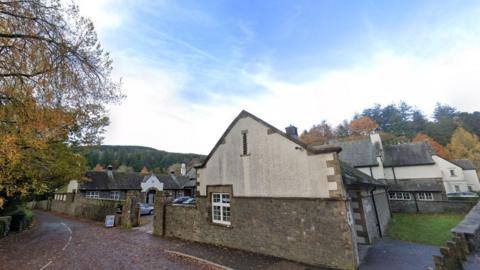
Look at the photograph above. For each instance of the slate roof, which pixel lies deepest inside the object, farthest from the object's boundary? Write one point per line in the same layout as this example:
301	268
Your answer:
119	181
425	185
464	164
407	154
176	182
354	177
361	153
131	181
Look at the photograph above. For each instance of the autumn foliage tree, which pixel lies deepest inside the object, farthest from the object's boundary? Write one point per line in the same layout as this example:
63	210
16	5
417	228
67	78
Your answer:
55	81
362	126
318	134
438	148
464	145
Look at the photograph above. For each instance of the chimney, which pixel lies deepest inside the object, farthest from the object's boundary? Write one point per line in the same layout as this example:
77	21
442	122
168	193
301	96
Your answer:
377	142
292	131
183	170
172	174
110	171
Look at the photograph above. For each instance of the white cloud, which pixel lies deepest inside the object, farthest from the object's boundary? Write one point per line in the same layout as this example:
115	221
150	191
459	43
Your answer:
154	113
105	14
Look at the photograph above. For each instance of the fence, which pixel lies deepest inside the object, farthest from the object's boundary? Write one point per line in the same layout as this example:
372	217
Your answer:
466	239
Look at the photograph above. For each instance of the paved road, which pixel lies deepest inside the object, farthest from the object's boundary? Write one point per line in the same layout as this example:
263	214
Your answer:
399	255
58	242
62	242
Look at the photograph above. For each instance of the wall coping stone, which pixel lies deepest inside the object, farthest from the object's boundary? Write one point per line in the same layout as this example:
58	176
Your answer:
471	223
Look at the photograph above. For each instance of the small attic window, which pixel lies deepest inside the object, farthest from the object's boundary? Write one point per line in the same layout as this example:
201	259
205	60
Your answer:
452	172
244	142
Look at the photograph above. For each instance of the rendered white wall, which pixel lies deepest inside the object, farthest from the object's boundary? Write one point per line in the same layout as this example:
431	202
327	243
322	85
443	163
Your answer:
273	168
472	179
412	172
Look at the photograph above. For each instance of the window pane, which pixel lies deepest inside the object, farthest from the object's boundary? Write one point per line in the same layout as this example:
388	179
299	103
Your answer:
226	213
216	197
216	213
225	198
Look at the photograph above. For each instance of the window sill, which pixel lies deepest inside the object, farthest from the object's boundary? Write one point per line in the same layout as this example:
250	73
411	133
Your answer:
247	155
229	226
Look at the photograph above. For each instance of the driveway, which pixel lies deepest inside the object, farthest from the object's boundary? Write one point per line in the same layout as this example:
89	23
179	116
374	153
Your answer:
62	242
399	255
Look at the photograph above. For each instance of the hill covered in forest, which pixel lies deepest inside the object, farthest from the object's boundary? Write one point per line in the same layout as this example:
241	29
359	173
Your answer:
133	158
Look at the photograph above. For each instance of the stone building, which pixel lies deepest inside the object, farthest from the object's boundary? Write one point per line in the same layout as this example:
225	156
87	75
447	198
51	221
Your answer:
264	191
113	185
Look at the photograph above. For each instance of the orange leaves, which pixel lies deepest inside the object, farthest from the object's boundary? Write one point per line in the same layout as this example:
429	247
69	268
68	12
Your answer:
438	148
362	126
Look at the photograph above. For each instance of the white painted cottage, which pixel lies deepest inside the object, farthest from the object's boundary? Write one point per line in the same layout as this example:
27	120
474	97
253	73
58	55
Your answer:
410	169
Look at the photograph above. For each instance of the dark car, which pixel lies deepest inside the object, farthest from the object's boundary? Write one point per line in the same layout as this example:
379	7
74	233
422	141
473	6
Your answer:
180	200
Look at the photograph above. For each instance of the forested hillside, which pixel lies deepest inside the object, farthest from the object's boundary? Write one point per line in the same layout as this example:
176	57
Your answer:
133	158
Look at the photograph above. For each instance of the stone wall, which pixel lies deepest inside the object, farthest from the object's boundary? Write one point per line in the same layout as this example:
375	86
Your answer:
410	206
79	206
312	231
465	240
43	205
470	227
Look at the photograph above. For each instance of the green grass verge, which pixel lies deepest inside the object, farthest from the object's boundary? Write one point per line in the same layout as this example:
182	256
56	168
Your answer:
430	229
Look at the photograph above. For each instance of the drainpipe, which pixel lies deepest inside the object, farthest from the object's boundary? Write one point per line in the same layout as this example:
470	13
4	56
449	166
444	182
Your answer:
376	211
415	200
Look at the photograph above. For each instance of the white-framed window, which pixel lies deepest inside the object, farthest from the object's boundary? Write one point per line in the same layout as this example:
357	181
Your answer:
457	188
221	208
452	172
425	196
404	196
115	195
92	194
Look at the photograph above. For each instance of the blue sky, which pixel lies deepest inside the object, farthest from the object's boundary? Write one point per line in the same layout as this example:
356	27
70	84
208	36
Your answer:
189	67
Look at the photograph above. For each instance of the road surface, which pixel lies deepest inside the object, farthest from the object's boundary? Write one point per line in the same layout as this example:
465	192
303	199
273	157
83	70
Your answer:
59	242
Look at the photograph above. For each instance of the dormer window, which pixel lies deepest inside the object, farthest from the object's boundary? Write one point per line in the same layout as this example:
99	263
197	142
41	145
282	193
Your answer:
244	142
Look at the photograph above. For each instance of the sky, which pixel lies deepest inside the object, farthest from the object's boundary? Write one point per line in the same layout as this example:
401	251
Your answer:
189	67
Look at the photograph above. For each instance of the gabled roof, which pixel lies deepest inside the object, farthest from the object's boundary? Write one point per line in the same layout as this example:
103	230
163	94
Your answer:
408	154
361	153
354	177
272	129
464	164
118	181
173	182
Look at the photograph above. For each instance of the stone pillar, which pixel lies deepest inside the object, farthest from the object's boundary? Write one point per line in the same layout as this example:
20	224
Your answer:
130	211
159	214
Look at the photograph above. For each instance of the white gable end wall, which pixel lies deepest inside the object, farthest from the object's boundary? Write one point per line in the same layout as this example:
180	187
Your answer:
472	179
274	166
413	172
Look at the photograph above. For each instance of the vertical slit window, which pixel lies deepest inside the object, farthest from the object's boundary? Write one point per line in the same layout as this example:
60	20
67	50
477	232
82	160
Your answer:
244	143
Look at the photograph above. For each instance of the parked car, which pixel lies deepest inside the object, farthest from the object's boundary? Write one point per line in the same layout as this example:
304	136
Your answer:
180	200
146	209
189	201
463	194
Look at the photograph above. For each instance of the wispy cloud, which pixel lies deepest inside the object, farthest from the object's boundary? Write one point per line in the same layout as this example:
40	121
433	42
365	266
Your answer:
188	70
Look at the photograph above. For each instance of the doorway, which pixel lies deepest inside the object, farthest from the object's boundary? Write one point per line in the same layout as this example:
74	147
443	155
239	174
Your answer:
150	197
